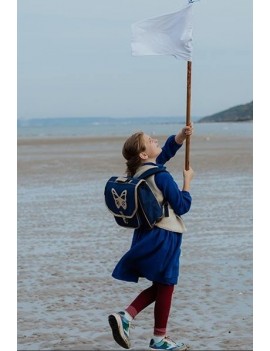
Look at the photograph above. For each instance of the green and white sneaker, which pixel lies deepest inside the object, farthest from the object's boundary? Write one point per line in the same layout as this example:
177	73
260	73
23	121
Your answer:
167	344
120	329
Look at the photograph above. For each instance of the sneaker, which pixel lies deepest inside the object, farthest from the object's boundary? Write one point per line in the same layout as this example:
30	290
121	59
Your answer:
120	329
167	344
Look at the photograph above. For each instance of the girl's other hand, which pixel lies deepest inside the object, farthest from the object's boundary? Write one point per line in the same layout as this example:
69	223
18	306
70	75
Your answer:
188	174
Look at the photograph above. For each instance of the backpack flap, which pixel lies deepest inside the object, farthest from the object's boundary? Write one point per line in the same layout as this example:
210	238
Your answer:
121	200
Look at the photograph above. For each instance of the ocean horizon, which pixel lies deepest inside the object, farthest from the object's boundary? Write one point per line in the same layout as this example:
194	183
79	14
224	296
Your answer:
120	126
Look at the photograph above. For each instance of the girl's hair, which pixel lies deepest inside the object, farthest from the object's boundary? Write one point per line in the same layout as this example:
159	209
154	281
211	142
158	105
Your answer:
132	148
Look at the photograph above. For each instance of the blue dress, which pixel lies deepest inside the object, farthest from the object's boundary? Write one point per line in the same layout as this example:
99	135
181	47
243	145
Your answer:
154	254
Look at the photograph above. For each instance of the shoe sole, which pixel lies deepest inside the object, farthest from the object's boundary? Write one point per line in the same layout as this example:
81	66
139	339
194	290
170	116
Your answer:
116	326
184	348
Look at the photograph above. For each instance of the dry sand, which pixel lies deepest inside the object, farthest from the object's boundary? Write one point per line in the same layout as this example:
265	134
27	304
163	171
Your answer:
68	245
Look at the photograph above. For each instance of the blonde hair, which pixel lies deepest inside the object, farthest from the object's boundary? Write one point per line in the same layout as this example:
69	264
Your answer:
132	148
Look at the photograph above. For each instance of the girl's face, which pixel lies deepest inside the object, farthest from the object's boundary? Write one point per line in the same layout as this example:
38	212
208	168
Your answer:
152	149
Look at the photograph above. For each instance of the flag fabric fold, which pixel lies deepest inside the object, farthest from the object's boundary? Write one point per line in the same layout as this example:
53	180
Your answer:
164	35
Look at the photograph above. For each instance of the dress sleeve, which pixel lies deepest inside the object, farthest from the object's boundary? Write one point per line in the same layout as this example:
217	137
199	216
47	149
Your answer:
180	201
168	150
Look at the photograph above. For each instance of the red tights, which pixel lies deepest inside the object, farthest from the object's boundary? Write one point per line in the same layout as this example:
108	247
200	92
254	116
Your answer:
162	295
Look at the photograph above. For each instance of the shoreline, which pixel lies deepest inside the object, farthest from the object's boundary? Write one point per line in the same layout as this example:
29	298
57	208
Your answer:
207	154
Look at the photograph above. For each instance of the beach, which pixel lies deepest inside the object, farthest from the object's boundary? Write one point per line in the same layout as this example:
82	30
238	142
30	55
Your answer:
68	245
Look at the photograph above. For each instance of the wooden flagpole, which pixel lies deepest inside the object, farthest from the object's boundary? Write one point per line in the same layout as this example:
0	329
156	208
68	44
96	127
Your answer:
188	119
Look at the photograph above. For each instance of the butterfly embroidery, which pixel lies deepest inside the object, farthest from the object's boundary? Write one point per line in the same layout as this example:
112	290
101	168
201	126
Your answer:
120	201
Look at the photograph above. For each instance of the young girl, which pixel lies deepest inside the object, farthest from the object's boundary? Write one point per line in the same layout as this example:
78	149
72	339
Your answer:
155	253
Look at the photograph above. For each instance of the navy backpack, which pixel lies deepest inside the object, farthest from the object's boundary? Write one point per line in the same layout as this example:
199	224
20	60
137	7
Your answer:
132	202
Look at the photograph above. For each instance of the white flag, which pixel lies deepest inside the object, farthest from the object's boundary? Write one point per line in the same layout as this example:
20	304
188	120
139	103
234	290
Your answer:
165	35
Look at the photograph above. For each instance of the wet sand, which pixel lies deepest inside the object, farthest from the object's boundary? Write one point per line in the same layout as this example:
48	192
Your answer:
68	245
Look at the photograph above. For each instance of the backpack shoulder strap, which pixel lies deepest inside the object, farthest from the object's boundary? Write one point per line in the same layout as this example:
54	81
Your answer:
152	171
148	173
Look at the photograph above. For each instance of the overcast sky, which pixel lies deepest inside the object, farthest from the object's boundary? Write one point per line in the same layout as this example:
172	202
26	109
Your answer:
74	59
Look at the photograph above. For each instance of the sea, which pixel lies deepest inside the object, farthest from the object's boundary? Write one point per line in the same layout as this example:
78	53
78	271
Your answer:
113	126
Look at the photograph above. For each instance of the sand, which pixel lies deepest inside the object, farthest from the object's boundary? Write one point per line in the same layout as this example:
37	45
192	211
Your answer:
68	245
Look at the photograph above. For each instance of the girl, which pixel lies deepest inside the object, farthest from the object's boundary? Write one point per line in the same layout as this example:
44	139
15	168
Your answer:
155	253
